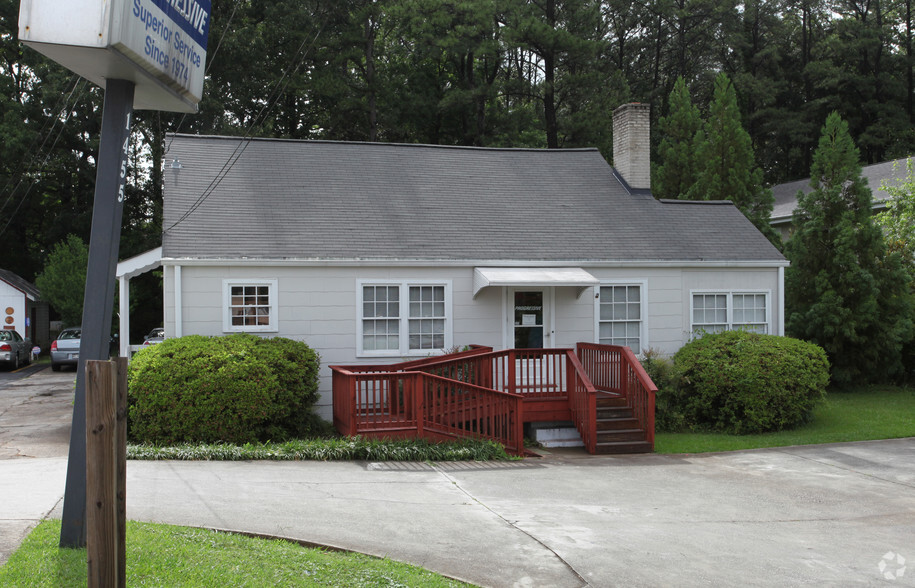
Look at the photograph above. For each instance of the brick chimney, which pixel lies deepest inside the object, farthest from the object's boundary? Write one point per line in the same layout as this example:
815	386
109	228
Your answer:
632	144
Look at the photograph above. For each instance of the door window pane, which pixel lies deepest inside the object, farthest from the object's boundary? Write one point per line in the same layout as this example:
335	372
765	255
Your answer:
528	320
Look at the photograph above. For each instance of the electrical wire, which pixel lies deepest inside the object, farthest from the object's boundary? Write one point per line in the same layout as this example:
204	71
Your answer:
210	61
44	162
258	120
45	133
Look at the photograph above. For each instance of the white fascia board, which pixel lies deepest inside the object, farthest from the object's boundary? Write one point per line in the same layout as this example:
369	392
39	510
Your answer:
315	262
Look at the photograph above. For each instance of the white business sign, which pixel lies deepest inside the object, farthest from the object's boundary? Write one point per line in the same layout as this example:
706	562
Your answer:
167	37
160	45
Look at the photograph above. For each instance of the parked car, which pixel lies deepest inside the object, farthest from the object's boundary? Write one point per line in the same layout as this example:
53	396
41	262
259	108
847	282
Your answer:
14	350
157	335
65	349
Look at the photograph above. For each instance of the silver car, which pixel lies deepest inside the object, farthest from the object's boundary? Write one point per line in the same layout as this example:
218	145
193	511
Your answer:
14	350
65	349
157	335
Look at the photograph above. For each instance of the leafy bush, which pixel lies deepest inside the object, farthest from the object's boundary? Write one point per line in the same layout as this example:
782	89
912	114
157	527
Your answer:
236	389
739	382
668	401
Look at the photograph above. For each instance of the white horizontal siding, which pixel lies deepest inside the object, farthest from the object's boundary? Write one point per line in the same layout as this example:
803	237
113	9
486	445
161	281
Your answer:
317	305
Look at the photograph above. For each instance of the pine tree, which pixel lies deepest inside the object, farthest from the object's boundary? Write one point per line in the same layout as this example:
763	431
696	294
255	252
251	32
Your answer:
681	135
844	291
728	167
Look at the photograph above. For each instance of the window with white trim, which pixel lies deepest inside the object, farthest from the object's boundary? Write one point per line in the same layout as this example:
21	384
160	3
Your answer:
402	318
249	305
620	316
713	312
381	318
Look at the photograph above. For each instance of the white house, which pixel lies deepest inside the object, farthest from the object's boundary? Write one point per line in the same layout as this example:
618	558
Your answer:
21	309
373	253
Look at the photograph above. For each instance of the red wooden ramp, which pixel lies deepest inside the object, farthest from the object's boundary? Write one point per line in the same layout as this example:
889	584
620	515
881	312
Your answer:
491	394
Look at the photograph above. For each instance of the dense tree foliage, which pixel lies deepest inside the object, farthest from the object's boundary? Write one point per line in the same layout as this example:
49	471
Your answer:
520	73
726	165
63	280
678	151
898	220
845	292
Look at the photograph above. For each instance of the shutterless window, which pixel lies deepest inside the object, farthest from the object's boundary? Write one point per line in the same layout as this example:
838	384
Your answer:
427	317
710	312
750	312
716	312
380	318
249	306
621	316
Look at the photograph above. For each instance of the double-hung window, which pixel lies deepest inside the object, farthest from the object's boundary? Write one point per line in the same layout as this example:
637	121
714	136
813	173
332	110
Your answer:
713	312
403	318
620	311
249	305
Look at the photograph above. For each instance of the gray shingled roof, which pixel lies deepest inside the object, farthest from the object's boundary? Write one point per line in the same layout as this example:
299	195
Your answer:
20	284
786	194
280	199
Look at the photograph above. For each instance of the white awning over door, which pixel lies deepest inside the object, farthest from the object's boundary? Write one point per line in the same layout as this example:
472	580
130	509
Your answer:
483	277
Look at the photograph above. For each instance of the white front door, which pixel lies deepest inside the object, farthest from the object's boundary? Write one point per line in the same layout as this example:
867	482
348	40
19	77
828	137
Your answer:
529	317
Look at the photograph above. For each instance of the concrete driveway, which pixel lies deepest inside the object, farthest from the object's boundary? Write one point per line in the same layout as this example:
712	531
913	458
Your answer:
841	514
824	515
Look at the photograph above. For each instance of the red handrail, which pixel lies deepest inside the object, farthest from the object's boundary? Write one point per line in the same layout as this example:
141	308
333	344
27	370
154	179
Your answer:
417	403
615	369
582	402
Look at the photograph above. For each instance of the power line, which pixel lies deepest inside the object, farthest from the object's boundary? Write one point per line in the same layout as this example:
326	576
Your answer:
45	133
43	163
210	61
258	120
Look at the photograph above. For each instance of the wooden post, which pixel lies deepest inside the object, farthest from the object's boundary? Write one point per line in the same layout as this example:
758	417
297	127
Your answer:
417	386
102	473
121	449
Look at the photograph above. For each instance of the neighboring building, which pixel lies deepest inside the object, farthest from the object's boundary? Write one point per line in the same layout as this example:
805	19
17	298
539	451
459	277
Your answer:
22	309
876	175
372	252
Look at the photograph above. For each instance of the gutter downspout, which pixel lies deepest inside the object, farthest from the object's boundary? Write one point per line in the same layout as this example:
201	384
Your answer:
124	316
781	301
179	311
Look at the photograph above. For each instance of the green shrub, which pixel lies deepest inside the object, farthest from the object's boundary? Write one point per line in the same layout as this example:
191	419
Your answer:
739	382
236	389
668	401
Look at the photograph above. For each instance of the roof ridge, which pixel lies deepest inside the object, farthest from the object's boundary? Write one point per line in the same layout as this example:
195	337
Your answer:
382	144
679	201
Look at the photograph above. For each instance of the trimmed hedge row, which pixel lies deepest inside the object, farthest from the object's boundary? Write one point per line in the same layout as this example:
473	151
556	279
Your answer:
236	389
739	382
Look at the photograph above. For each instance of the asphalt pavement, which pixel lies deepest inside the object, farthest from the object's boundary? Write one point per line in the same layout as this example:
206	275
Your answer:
839	514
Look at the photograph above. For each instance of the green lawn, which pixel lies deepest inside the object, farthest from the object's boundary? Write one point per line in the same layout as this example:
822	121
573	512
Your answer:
164	555
877	412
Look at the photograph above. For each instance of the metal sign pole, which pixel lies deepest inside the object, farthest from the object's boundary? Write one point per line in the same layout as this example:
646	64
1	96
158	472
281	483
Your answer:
100	284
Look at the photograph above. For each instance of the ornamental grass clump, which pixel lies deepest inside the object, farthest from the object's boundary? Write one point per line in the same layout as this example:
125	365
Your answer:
739	382
234	389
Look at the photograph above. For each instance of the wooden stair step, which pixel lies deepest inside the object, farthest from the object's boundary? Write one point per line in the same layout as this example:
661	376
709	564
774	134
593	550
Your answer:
611	401
620	435
614	413
619	447
614	423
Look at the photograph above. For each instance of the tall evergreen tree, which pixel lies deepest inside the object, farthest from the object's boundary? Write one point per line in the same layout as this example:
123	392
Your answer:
728	167
844	292
681	135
